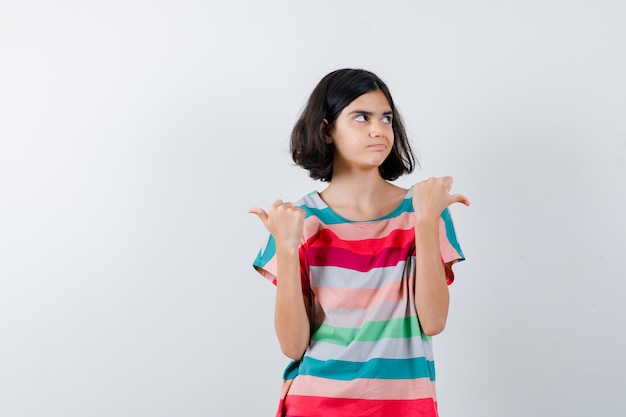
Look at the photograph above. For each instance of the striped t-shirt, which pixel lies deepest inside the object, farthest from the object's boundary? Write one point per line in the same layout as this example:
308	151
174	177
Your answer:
367	355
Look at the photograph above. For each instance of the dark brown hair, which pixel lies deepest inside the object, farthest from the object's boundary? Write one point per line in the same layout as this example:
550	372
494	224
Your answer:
332	94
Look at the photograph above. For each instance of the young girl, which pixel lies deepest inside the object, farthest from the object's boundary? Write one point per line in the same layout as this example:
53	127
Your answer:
362	268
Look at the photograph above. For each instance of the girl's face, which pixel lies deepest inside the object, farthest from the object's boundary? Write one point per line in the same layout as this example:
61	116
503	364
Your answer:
362	134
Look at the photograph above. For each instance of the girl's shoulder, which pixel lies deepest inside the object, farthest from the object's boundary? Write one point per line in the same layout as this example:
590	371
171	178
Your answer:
311	201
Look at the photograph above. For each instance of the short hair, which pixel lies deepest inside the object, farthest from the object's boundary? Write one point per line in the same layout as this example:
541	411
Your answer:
332	94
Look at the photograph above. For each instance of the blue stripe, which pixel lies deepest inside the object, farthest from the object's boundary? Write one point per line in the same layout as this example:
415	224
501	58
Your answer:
380	368
328	216
263	257
447	219
291	371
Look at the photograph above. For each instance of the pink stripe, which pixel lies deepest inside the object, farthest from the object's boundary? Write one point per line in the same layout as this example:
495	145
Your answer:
448	253
269	270
362	297
398	311
370	389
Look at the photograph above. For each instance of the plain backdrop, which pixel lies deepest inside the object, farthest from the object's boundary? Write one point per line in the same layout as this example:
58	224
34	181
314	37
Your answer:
135	135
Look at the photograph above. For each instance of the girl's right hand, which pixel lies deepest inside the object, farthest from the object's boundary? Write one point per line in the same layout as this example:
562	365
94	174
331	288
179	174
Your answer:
284	221
432	196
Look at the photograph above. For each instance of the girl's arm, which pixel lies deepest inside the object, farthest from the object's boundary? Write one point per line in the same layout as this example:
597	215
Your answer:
291	312
432	299
431	289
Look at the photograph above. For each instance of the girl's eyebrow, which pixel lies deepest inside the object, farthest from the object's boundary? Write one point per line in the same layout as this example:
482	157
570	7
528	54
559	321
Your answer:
369	113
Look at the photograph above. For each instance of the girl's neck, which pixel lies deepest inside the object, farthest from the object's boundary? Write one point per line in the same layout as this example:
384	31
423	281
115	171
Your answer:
357	187
362	198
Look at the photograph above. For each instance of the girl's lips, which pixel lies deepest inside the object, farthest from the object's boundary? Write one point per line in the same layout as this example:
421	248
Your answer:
378	146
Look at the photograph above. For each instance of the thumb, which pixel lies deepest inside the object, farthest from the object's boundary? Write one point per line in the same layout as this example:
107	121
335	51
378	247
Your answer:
460	198
259	212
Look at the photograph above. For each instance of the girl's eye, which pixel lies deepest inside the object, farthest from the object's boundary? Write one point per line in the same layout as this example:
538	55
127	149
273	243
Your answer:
387	119
361	118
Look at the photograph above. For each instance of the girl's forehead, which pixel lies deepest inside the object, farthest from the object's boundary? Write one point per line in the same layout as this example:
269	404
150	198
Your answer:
371	101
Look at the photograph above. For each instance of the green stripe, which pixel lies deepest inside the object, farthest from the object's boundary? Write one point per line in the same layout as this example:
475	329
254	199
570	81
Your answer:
371	331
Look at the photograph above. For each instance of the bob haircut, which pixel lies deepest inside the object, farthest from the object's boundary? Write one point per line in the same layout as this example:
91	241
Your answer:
332	94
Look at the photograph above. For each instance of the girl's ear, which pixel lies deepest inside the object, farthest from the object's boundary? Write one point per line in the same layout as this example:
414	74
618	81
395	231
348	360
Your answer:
324	131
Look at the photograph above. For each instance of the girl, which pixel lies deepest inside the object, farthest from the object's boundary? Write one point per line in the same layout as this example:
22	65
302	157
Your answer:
362	268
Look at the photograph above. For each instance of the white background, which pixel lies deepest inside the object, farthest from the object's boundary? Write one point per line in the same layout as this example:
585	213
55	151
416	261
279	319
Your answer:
134	136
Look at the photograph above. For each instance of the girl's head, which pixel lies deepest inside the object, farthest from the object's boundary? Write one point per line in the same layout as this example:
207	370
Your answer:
309	147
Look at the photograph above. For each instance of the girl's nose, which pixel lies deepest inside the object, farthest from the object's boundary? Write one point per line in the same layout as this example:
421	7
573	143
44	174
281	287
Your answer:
377	129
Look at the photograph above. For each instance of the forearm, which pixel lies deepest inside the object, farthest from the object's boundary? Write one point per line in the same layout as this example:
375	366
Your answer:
291	315
431	289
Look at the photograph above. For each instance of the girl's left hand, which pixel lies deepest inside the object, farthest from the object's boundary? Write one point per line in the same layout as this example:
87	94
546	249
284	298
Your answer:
432	196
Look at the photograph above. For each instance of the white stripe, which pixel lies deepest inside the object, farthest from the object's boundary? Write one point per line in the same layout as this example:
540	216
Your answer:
389	348
334	276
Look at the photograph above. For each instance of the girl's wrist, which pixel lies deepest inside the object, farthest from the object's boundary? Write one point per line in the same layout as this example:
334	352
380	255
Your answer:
287	249
425	221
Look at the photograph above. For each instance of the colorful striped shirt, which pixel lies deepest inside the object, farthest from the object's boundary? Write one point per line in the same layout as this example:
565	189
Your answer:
367	355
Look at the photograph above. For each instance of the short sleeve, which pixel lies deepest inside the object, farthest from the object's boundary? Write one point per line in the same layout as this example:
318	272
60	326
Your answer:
265	261
449	245
265	264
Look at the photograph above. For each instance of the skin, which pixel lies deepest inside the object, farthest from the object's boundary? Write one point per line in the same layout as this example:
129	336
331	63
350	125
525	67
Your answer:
363	137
